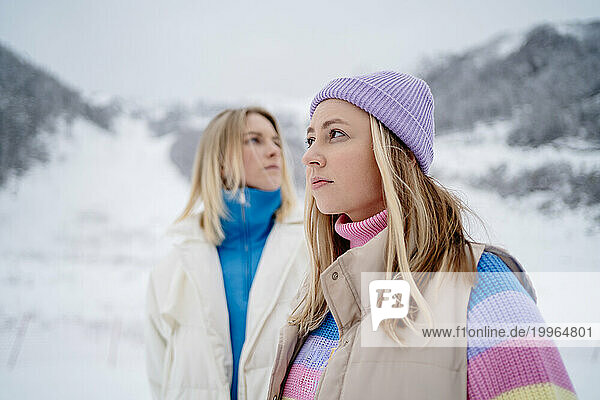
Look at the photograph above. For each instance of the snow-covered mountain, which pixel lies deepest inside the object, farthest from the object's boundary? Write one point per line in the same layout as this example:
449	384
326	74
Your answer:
31	102
543	88
80	230
547	77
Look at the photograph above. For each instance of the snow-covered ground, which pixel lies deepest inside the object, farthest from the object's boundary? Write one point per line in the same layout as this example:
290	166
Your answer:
561	241
77	238
79	235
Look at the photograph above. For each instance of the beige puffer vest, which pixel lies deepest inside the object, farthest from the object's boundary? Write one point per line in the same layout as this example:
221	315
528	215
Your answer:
358	372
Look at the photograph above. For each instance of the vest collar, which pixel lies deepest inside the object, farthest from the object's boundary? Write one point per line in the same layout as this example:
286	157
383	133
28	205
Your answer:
342	284
341	281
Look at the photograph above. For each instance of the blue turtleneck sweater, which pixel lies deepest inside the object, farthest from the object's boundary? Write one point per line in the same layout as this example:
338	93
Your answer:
245	235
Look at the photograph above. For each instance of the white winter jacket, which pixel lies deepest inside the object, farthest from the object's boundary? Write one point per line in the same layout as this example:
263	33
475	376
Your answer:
188	349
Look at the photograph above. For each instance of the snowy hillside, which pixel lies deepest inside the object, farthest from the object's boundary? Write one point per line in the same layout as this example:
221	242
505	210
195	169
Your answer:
78	237
542	87
32	101
481	159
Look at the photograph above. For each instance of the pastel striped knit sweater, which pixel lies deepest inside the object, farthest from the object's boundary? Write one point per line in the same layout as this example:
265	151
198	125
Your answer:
500	373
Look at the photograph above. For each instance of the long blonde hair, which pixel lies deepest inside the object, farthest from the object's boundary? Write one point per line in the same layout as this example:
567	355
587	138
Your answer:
425	231
219	165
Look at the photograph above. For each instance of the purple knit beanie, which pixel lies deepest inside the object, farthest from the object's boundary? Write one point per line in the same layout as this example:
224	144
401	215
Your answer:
403	103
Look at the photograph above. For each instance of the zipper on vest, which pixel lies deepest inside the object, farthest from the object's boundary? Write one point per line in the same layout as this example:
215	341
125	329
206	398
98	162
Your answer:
342	342
322	377
297	348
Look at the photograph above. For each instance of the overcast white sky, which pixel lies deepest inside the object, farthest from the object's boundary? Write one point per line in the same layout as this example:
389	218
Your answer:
157	51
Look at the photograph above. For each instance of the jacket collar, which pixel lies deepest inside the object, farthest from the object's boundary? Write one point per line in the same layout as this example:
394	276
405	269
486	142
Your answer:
341	281
189	228
250	213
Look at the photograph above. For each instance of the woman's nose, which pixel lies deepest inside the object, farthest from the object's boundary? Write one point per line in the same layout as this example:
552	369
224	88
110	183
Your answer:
313	157
273	150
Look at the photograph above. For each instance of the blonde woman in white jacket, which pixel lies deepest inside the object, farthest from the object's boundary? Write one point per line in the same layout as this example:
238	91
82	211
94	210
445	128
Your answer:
216	302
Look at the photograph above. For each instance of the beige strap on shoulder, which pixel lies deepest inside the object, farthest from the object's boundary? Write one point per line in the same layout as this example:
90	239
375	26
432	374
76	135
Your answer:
515	267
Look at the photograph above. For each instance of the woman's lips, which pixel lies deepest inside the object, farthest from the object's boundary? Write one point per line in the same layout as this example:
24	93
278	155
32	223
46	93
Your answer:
319	182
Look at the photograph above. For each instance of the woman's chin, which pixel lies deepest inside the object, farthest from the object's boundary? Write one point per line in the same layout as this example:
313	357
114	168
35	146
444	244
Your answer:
328	208
265	186
269	188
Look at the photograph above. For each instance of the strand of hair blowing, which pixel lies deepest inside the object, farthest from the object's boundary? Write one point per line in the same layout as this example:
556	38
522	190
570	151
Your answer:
426	232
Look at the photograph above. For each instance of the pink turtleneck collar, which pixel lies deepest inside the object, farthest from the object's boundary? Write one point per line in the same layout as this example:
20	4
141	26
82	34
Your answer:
359	233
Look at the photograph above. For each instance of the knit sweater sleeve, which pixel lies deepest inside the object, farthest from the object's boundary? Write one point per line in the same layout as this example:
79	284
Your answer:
500	371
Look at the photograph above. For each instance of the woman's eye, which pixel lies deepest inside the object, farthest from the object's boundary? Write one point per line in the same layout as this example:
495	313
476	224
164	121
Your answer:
253	140
309	142
333	133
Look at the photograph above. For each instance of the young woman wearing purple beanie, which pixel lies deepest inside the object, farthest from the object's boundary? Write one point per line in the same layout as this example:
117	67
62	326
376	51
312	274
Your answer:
372	207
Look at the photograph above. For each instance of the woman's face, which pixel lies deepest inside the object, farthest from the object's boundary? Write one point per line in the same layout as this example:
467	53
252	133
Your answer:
261	153
341	171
